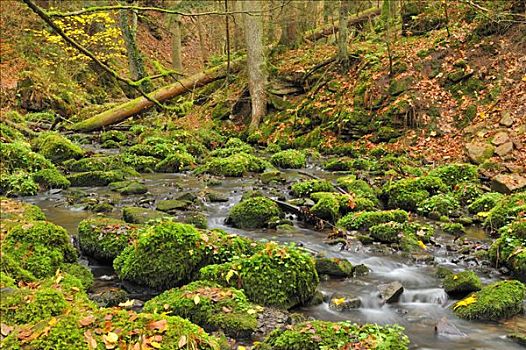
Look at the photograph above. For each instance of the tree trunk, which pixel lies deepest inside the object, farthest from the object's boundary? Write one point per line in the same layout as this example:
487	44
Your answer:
343	55
128	24
257	75
238	25
288	23
127	109
175	24
201	35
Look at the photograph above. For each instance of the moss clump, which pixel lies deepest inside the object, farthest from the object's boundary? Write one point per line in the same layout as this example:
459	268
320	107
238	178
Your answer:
467	192
327	207
289	159
113	135
95	178
235	165
455	229
505	211
462	283
443	204
93	164
485	202
51	178
278	276
509	249
319	335
367	219
389	232
454	174
81	272
497	301
128	187
39	247
359	188
56	148
210	306
231	147
18	156
104	238
253	212
139	215
334	267
143	164
175	162
409	193
305	188
19	183
16	210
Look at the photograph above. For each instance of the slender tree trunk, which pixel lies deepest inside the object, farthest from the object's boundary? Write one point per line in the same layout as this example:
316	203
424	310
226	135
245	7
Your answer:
175	25
238	27
128	24
201	35
288	23
343	55
257	75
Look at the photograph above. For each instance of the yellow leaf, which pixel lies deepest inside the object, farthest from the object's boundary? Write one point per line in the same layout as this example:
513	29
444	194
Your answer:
229	275
455	277
241	347
155	344
422	245
197	299
110	340
251	311
338	301
524	77
127	303
465	302
52	322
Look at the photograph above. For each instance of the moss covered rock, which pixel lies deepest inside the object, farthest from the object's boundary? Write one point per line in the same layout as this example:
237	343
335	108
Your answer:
139	215
211	306
276	276
176	162
56	147
462	283
485	202
235	165
19	183
95	178
510	248
505	211
454	174
305	188
94	163
104	238
409	193
128	187
367	219
334	267
497	301
51	178
319	335
253	212
439	205
289	159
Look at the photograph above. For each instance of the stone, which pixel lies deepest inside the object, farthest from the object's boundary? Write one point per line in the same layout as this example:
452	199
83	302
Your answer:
138	215
216	196
128	187
272	176
390	292
479	152
360	270
171	205
445	328
504	149
344	302
506	120
508	183
334	267
500	138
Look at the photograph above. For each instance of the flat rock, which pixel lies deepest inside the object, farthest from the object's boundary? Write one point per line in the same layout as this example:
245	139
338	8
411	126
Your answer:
171	205
445	328
479	152
344	302
508	183
504	149
138	215
506	120
500	138
390	292
216	196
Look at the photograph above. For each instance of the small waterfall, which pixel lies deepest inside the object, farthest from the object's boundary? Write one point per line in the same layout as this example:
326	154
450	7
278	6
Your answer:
424	296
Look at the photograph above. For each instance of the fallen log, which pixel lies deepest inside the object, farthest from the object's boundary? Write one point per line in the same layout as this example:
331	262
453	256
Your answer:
357	20
130	108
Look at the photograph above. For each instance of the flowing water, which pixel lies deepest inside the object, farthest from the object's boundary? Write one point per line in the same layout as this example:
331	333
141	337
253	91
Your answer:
422	304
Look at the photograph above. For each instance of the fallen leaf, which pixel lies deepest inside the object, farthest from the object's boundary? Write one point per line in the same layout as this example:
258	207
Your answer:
127	303
155	344
197	299
182	341
86	321
110	340
160	325
92	343
226	310
5	329
465	302
338	301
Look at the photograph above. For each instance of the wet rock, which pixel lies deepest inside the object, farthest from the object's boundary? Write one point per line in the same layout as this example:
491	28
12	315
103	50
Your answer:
128	187
448	329
171	205
344	302
270	319
390	292
334	267
273	176
317	299
506	120
500	138
360	270
109	296
462	283
138	215
508	183
504	149
216	196
479	152
519	338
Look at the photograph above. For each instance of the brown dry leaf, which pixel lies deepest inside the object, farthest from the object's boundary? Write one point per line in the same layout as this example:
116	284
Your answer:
160	325
86	321
92	343
182	341
226	310
5	329
25	333
110	340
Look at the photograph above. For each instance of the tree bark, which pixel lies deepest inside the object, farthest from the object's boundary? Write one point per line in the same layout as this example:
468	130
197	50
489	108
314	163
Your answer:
201	35
175	24
289	25
257	73
128	24
343	55
127	109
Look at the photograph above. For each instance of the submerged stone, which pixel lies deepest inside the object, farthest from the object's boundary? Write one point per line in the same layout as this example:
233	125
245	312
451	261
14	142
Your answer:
390	292
344	302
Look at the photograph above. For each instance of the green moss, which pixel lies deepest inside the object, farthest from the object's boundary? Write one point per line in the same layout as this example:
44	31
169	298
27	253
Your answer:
359	188
9	134
276	276
253	212
443	204
389	232
18	183
454	174
51	178
235	165
105	163
104	238
467	192
16	210
334	267
176	162
40	247
497	301
210	306
397	86
96	178
320	335
409	193
232	146
455	229
113	135
327	207
462	283
6	281
56	148
11	267
485	202
139	215
18	156
45	302
367	219
81	272
509	249
141	164
305	188
128	187
289	159
505	211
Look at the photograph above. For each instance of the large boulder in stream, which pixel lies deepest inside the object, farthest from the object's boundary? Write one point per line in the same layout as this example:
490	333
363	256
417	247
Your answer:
56	147
462	283
255	212
390	292
139	215
497	301
344	302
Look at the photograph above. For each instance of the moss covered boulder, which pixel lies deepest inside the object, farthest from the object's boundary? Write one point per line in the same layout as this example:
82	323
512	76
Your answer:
51	178
139	215
462	283
485	202
455	174
211	306
439	205
497	301
366	219
510	248
278	276
305	188
409	193
128	187
94	163
253	212
14	212
235	165
96	178
505	211
176	162
334	267
289	159
319	335
105	238
56	147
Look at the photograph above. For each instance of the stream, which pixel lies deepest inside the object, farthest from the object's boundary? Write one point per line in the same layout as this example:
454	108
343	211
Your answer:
422	304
